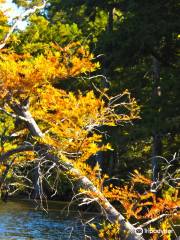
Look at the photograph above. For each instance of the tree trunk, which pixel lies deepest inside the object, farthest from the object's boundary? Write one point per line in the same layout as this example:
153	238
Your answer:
127	231
110	18
157	141
35	131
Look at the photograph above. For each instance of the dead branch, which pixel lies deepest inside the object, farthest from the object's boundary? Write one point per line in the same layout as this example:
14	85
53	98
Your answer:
154	220
82	181
23	148
13	115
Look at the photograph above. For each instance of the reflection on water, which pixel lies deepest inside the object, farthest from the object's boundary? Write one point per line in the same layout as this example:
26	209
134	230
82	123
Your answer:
20	221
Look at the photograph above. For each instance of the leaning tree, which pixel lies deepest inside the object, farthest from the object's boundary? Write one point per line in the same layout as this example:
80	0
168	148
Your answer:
54	131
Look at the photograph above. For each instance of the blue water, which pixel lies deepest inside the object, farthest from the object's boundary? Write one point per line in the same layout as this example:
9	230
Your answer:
20	221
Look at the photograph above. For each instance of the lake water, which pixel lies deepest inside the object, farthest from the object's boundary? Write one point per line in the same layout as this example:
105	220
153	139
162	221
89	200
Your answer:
20	221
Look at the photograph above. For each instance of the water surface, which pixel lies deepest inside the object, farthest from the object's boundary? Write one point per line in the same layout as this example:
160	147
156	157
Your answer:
20	221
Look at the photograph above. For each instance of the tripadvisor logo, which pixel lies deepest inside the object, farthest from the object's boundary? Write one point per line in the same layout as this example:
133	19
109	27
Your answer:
139	231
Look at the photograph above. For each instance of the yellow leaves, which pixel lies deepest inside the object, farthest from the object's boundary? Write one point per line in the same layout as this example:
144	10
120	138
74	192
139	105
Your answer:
162	205
76	59
24	158
139	178
165	226
171	193
25	74
93	148
110	231
7	146
93	226
140	205
3	17
69	121
125	197
2	169
108	147
97	168
94	174
164	231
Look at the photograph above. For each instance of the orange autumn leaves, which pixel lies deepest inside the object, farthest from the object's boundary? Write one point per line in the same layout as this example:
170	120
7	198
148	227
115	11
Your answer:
139	204
69	121
22	75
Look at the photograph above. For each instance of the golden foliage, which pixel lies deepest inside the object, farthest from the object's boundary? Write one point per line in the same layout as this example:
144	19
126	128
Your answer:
23	75
68	120
2	169
138	205
110	231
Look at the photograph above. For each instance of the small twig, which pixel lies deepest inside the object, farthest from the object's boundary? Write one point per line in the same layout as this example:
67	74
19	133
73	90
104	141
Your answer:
153	220
97	76
87	201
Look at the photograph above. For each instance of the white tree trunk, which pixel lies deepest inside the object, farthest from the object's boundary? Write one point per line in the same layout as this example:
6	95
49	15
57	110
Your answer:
127	229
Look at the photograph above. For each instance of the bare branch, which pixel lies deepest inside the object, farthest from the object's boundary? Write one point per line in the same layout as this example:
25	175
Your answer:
23	112
99	76
11	152
82	181
87	201
154	220
13	115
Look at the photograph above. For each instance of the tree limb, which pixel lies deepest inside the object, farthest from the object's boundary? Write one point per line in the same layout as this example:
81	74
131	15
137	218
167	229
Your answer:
11	152
154	220
82	181
23	113
13	115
